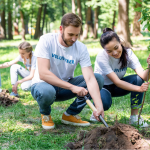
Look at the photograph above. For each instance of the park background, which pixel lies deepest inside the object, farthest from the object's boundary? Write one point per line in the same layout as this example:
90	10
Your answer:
20	124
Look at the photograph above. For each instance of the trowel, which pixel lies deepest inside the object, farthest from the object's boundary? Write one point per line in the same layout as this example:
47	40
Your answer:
93	108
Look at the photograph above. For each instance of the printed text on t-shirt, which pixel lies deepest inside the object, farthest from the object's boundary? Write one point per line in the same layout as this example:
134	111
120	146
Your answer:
63	58
119	70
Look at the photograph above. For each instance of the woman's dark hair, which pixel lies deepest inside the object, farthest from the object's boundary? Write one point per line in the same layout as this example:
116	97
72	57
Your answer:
107	36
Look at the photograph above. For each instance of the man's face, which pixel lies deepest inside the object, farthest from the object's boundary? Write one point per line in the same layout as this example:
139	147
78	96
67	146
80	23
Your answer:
69	34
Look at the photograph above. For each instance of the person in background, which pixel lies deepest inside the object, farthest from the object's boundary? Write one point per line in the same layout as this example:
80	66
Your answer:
112	64
26	56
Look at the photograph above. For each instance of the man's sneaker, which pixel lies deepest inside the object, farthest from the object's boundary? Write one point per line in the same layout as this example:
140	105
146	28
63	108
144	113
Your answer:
47	122
74	120
134	121
92	118
14	94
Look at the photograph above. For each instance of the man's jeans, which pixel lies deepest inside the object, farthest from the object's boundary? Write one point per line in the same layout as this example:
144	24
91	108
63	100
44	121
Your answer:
46	94
112	90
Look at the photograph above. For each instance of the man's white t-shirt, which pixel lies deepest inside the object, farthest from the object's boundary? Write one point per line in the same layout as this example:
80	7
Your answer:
106	64
27	64
63	60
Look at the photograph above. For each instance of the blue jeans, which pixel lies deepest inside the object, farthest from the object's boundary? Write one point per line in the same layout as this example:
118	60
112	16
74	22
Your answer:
112	90
46	94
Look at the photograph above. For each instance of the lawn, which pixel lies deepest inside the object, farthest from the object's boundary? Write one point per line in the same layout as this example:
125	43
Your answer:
20	124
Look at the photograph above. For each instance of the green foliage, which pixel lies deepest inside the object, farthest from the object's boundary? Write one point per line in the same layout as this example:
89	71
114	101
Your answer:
145	11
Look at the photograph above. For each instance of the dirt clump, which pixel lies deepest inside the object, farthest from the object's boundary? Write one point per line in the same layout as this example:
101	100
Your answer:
6	99
119	136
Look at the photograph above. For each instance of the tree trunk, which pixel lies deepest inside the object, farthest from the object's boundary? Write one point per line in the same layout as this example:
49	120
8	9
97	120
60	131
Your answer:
73	6
37	29
96	13
63	12
44	13
88	23
10	35
136	23
123	22
3	24
22	22
79	9
16	31
26	26
113	24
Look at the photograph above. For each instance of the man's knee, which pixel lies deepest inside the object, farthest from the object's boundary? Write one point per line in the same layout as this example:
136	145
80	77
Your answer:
100	80
44	94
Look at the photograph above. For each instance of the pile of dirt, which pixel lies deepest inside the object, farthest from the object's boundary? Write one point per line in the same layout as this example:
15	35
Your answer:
6	99
119	136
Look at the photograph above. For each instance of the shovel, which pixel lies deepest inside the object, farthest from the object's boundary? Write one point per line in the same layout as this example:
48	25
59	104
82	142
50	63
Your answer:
93	109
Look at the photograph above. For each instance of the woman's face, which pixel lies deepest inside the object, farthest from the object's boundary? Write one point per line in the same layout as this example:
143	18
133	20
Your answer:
114	48
24	54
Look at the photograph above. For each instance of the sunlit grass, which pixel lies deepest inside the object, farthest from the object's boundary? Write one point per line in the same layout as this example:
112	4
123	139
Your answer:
20	124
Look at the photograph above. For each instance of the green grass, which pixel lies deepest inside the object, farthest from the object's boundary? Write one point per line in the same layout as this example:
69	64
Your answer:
20	124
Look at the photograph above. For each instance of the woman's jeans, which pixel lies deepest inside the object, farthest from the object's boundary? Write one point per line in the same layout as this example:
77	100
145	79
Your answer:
16	70
112	90
46	94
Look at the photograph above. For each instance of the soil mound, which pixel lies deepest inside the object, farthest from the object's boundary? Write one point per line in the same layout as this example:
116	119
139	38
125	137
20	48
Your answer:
6	99
120	136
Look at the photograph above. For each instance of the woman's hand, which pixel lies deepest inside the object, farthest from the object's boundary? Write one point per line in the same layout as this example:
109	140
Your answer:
14	89
148	60
144	87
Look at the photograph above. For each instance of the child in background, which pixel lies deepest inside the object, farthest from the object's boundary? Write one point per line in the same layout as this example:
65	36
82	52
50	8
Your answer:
27	57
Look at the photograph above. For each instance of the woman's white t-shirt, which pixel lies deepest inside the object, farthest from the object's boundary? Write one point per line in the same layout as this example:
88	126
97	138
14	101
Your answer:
27	64
106	64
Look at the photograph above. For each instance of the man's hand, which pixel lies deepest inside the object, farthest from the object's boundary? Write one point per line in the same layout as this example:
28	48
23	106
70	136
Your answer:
100	111
80	91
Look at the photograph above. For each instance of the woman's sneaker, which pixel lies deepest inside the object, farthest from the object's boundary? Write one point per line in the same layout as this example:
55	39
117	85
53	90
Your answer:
134	121
14	94
92	118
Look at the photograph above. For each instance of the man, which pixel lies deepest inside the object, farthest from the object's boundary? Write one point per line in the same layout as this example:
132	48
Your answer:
57	57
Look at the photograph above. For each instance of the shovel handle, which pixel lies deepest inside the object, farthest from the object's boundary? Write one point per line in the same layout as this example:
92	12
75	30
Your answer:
94	109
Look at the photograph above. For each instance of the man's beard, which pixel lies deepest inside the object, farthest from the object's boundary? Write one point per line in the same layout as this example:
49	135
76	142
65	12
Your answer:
65	41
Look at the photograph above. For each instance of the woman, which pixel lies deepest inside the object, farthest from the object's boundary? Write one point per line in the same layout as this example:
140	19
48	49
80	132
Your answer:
112	64
27	57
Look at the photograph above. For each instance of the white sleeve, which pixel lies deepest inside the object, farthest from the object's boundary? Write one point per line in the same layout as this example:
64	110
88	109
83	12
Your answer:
102	65
84	58
42	49
133	61
33	63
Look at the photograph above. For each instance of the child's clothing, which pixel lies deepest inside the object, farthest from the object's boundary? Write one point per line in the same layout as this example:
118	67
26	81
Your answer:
17	69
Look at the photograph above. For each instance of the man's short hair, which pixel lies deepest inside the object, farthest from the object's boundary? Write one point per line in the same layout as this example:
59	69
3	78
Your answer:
71	19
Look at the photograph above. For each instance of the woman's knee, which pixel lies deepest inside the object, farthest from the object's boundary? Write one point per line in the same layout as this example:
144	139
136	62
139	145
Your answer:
26	86
14	67
139	80
106	98
100	80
